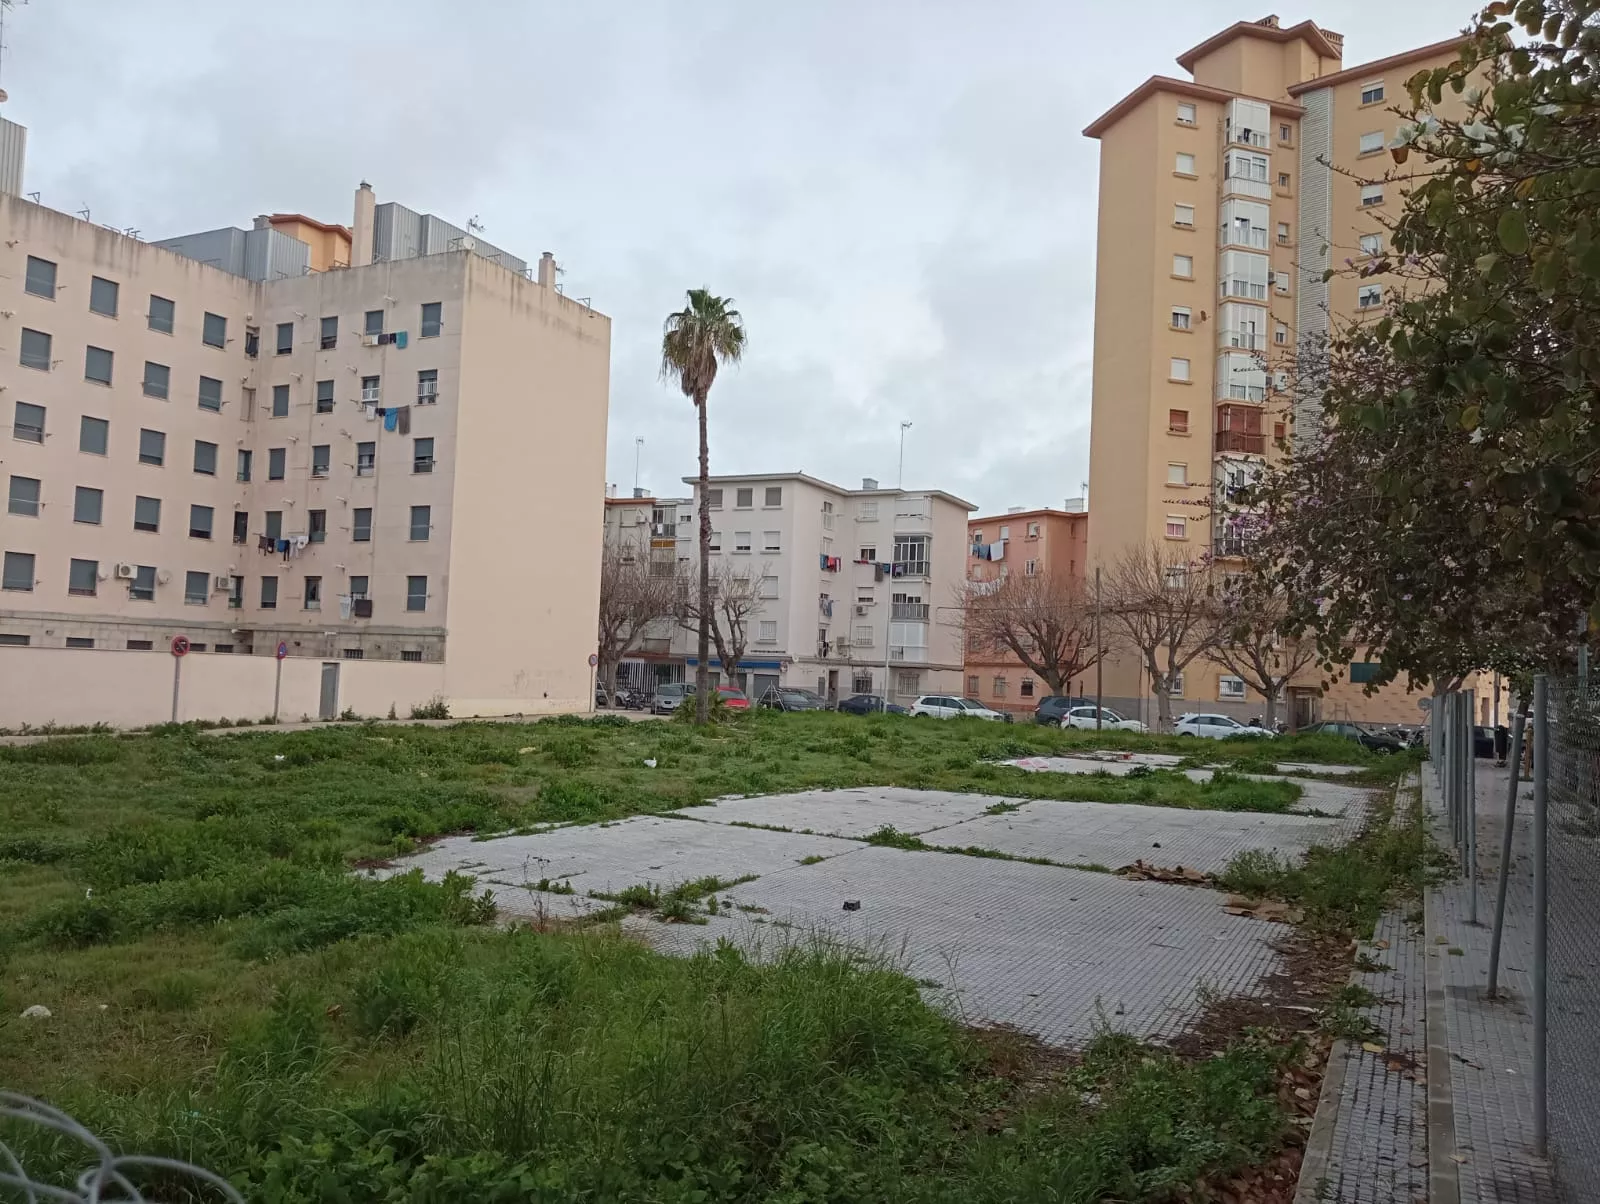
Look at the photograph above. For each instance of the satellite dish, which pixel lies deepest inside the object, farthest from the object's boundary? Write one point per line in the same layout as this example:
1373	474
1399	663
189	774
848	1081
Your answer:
3	96
469	243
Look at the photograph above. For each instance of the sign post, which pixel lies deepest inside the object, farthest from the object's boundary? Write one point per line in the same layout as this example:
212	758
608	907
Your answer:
594	659
180	649
277	684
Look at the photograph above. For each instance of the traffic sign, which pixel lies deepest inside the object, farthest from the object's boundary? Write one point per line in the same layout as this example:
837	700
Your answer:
594	660
180	645
283	650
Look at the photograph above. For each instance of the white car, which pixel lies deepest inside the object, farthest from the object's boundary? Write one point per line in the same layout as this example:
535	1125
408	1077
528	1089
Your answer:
1215	727
1082	718
946	706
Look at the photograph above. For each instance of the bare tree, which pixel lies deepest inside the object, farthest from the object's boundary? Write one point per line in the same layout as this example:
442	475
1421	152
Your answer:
1248	619
1159	604
735	603
1043	620
633	596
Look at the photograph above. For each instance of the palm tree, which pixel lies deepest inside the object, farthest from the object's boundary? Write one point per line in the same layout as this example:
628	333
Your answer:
705	333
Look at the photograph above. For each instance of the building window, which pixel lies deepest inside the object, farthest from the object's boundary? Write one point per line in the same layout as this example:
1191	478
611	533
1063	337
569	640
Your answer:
280	401
1280	333
1371	142
972	685
432	319
1183	266
774	495
1026	689
1181	317
252	341
269	593
143	586
277	460
371	391
242	464
103	296
353	654
147	514
767	632
23	497
79	641
1362	672
1371	245
324	397
1283	234
1186	113
241	526
358	586
1372	94
83	578
1230	688
88	505
869	512
422	455
714	499
317	526
18	572
1369	296
372	322
1184	164
93	433
211	394
1178	368
768	587
222	647
97	365
1177	474
716	541
416	593
41	278
771	541
743	499
196	588
161	314
35	349
140	645
1285	132
741	541
999	685
205	458
273	524
157	380
1280	432
1280	283
427	386
1176	684
1177	527
366	459
285	338
329	338
1183	215
152	447
1178	422
1032	531
312	597
421	523
361	524
1030	569
1371	194
870	554
28	423
214	330
1283	181
411	654
321	459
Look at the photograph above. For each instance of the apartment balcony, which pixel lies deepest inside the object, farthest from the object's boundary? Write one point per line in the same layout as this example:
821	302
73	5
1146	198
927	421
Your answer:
914	522
908	654
1254	444
909	611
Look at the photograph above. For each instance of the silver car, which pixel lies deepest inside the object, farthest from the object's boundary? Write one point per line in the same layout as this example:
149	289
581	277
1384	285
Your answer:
670	697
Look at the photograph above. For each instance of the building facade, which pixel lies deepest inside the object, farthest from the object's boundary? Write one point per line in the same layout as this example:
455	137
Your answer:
658	531
215	437
1223	199
858	589
1031	543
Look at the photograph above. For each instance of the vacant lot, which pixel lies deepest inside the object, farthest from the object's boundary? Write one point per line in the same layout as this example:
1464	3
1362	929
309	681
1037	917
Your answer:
223	989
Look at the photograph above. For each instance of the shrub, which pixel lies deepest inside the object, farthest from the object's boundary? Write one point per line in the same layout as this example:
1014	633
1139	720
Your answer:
435	708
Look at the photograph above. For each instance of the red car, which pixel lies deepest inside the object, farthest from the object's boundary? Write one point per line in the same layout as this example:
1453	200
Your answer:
733	698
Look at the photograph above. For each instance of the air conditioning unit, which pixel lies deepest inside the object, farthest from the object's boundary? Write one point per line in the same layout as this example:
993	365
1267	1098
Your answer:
371	340
863	611
222	581
126	572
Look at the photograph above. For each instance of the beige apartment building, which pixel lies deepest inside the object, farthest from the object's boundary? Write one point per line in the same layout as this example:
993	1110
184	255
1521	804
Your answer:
1030	543
660	532
1223	198
250	439
858	589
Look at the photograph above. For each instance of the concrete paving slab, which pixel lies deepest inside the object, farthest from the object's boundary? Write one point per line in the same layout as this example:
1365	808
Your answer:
1299	767
1116	768
856	812
1054	952
1116	834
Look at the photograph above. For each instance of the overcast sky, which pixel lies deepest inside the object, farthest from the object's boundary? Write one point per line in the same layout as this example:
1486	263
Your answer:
897	195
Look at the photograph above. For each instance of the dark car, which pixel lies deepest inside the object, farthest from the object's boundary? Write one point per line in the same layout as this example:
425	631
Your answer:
1372	741
791	698
1052	710
869	704
1483	742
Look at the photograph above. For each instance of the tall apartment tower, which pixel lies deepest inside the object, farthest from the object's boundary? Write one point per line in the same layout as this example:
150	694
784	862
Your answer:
1223	198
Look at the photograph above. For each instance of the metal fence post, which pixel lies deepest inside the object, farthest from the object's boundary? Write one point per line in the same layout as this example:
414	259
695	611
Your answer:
1541	902
1520	722
1470	761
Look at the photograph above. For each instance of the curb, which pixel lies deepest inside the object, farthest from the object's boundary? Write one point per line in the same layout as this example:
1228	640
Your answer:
1311	1187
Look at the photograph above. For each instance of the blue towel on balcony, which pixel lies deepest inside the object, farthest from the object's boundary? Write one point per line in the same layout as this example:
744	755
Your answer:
391	419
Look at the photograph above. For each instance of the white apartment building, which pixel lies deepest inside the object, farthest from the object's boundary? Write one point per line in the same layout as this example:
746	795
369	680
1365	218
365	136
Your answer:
858	587
253	451
659	531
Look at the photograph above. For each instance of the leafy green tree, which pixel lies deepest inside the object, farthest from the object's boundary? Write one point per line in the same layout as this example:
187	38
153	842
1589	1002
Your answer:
699	338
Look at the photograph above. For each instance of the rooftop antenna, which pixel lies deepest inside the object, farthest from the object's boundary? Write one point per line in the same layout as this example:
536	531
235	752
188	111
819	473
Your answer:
901	482
474	226
638	446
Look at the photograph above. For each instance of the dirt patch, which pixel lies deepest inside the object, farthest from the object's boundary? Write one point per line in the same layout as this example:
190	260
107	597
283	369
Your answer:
1287	1000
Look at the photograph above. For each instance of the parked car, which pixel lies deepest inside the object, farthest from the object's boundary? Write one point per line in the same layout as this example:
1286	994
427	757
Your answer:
1483	741
1052	710
972	704
943	706
1083	718
869	704
670	697
733	698
1369	738
1215	727
792	698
